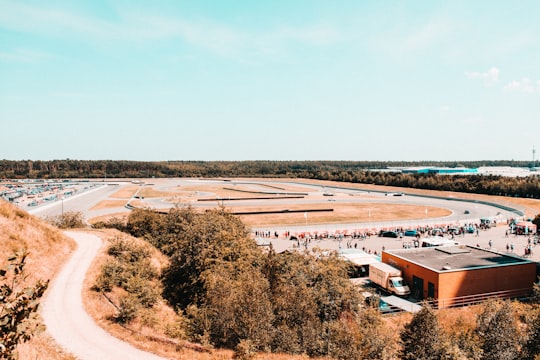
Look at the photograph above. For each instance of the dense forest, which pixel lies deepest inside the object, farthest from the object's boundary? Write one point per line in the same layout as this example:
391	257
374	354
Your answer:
365	172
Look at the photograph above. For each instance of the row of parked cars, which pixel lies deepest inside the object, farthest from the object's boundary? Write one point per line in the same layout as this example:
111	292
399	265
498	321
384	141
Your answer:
432	232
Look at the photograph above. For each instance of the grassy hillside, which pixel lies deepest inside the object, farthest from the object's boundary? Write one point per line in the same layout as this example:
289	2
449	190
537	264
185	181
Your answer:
48	249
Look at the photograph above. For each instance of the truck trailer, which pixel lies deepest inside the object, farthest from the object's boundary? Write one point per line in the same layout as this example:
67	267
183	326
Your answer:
389	278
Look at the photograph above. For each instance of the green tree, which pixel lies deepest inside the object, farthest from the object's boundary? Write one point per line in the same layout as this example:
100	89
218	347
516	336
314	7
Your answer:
209	239
536	221
310	295
236	308
498	331
422	338
464	341
68	220
358	336
531	348
18	306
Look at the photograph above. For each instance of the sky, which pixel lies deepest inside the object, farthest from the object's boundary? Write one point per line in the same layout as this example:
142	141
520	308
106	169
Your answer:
269	80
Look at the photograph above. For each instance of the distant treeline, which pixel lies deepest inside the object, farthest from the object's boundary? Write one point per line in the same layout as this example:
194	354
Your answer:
346	171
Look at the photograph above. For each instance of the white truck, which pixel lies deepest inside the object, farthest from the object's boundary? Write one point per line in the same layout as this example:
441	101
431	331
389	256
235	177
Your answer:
389	278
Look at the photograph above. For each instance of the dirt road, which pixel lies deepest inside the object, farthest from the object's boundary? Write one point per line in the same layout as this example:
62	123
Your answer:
67	321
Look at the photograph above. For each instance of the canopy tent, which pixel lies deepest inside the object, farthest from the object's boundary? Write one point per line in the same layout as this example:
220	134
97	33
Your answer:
525	227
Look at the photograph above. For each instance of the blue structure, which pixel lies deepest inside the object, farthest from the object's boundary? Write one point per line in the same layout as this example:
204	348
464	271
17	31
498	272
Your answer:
446	171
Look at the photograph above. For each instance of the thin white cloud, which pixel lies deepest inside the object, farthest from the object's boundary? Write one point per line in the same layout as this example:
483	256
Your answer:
25	55
489	77
426	36
136	27
21	17
445	109
316	35
524	85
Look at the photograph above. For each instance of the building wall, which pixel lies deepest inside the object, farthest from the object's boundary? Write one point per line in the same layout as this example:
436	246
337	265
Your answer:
518	278
409	269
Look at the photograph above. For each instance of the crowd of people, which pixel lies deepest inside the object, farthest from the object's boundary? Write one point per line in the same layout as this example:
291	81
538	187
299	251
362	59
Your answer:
409	237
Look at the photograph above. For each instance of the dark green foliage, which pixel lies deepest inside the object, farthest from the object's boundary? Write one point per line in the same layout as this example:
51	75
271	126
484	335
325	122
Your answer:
128	251
536	294
497	328
144	223
130	269
307	294
128	309
465	343
18	306
112	223
143	290
422	338
111	275
344	171
531	348
237	297
68	220
357	337
536	221
245	350
207	240
234	310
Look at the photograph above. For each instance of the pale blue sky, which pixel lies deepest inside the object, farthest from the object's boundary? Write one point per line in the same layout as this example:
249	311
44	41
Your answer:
269	80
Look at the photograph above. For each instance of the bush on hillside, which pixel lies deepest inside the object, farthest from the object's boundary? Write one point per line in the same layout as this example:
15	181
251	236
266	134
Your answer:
18	306
129	268
112	223
68	220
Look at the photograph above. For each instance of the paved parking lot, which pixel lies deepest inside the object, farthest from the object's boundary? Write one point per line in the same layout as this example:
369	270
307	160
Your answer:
497	235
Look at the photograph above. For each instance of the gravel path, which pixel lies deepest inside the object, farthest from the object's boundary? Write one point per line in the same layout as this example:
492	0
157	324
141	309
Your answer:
67	321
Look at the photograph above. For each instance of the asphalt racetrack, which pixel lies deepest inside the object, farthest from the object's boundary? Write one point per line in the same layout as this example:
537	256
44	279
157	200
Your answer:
242	194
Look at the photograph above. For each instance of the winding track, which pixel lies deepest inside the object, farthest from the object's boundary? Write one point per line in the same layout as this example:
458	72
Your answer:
67	321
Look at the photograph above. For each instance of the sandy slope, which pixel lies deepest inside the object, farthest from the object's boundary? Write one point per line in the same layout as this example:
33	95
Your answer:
67	321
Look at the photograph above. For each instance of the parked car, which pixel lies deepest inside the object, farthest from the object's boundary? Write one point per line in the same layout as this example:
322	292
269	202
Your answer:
410	232
390	234
466	212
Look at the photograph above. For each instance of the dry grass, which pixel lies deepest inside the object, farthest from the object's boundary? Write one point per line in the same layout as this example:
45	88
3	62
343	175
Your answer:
343	213
108	204
43	347
126	192
48	247
149	192
122	216
48	250
229	191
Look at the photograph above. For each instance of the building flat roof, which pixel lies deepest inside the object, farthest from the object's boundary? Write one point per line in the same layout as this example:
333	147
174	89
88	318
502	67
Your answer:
451	258
358	257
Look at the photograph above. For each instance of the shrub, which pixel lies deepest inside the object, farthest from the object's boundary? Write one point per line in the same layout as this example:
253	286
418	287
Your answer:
130	269
18	306
128	309
145	292
245	350
112	223
128	250
68	220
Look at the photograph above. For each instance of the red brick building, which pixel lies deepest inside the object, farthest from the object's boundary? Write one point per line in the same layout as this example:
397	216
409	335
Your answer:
463	272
